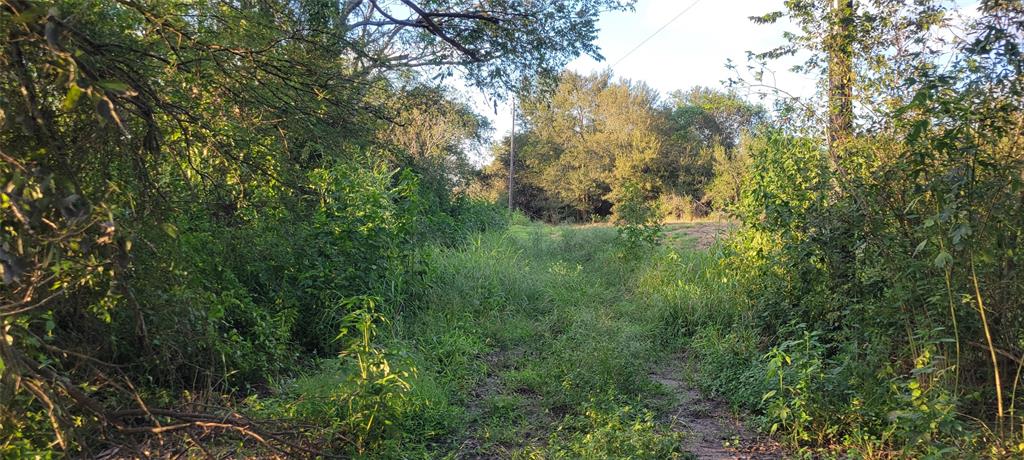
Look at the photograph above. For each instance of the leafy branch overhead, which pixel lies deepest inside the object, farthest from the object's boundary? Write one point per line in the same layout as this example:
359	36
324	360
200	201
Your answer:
142	141
497	42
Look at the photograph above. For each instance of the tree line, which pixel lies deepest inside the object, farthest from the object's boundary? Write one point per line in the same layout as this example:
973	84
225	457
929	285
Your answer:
591	137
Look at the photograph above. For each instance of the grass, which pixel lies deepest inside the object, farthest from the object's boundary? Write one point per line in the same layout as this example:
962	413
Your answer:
537	342
545	311
544	342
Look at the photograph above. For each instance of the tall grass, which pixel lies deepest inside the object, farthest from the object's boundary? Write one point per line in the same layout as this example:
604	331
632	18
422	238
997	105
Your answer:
531	342
539	342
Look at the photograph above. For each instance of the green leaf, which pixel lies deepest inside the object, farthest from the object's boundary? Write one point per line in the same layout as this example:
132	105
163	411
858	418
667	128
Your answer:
114	85
918	130
170	229
30	15
960	231
943	259
216	312
74	92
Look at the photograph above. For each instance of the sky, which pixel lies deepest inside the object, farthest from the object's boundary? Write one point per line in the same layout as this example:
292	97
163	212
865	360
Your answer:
691	50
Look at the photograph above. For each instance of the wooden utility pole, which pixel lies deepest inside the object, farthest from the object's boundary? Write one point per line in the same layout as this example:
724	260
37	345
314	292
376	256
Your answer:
512	156
839	46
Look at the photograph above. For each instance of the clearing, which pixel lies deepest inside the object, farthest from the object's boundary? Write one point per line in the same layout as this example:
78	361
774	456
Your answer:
554	342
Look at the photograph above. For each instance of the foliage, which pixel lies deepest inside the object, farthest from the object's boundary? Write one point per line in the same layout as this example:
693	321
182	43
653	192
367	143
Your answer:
730	173
592	135
879	274
246	227
638	220
350	398
680	208
702	124
192	192
620	434
532	331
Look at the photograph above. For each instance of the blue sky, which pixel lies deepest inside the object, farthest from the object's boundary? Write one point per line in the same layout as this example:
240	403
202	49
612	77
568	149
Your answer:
693	49
690	51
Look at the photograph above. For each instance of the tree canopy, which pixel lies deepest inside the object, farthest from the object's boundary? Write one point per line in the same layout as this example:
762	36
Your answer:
592	135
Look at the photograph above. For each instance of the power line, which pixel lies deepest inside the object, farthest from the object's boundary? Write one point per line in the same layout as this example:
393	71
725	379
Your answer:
656	32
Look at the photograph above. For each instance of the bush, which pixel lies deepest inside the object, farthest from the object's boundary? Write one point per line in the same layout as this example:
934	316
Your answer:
636	218
680	207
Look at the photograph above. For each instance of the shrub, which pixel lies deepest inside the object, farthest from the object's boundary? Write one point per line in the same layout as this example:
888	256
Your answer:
637	218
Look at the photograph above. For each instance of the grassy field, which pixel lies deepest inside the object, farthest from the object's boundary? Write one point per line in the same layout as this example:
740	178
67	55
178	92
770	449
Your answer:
554	342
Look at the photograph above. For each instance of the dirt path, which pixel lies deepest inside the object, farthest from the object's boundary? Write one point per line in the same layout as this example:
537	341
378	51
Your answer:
701	234
713	432
477	444
542	353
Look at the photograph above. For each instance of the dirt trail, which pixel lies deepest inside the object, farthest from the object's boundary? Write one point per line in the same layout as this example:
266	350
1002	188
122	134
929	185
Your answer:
704	233
712	431
506	419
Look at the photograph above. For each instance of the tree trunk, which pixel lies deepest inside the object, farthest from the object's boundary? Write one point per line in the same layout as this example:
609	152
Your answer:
839	46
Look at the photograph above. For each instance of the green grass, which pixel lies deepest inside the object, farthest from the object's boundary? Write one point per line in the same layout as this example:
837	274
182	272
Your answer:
537	342
544	308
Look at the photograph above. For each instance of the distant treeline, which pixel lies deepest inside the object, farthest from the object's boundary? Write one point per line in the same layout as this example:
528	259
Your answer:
584	141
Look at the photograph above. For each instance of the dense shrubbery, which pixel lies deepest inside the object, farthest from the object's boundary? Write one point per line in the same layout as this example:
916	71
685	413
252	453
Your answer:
882	279
194	193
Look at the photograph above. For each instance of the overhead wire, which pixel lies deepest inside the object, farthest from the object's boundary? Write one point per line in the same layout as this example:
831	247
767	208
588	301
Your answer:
656	32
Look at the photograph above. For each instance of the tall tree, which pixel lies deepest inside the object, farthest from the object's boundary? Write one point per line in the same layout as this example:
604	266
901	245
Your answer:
839	46
861	50
590	134
700	121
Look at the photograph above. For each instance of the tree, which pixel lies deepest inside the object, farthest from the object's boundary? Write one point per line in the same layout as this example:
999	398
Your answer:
434	132
702	120
496	42
580	142
862	50
593	135
905	230
156	128
839	46
731	170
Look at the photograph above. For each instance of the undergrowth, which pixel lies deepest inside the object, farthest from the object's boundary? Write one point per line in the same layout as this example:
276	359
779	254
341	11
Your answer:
528	343
536	342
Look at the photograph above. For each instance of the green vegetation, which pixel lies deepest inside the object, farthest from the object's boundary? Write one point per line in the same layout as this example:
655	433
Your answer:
198	197
253	229
535	342
592	143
